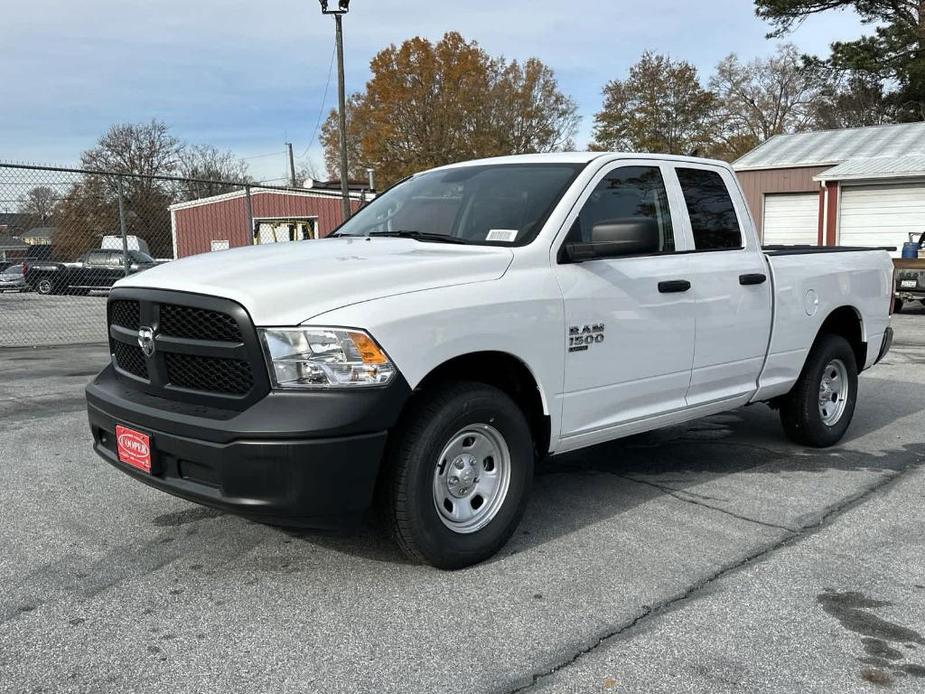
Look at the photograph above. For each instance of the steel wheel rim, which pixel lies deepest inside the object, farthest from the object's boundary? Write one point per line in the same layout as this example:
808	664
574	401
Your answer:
471	478
833	392
45	287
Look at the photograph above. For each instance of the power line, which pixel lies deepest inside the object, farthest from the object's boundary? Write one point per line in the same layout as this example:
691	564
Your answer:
260	156
324	97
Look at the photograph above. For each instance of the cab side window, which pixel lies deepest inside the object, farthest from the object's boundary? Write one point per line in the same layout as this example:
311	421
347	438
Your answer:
712	214
626	195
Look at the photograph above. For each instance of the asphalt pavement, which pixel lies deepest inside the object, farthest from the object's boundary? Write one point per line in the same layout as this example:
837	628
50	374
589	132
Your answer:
711	557
28	319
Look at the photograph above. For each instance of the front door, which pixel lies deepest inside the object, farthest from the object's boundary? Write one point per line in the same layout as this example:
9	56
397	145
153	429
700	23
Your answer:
630	320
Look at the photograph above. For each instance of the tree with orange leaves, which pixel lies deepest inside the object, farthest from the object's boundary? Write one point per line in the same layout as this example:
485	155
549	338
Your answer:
428	104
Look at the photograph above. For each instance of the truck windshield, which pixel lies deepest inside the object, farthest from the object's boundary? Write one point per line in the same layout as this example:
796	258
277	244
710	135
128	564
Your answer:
500	204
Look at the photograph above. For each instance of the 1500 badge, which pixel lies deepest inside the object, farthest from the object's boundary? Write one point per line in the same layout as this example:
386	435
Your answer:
580	338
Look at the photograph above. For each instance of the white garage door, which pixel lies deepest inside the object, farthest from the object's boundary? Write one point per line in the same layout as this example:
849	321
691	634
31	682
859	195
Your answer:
881	215
791	219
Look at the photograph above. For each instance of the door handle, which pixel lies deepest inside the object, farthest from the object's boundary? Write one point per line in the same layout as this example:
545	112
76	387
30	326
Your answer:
673	286
754	278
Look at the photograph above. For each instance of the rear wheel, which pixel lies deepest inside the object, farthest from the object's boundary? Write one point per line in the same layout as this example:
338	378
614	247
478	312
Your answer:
459	471
897	305
818	411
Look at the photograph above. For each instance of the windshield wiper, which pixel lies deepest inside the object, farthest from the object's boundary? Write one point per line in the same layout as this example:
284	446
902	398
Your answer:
419	236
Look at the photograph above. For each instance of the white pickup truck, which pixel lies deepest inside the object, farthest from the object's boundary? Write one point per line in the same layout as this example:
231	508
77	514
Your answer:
469	321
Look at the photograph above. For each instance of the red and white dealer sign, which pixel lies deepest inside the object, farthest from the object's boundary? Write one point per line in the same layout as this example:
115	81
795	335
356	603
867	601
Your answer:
134	448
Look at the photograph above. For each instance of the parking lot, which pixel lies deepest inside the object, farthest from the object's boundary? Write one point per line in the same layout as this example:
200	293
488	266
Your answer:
714	557
28	319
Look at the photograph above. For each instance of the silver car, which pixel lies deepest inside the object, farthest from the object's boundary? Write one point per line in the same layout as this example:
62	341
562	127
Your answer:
12	279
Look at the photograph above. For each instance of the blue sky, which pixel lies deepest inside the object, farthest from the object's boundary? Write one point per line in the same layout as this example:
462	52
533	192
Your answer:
248	76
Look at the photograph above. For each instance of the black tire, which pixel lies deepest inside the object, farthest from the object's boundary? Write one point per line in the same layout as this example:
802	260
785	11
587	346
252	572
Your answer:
408	494
897	305
45	286
800	411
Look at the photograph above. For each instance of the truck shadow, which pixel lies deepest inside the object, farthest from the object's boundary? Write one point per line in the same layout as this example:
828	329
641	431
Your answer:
576	490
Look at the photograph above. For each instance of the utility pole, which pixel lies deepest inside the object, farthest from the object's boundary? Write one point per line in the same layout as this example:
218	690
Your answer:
342	115
343	7
292	180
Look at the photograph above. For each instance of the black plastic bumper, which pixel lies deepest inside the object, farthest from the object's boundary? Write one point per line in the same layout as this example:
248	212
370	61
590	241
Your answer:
885	344
303	459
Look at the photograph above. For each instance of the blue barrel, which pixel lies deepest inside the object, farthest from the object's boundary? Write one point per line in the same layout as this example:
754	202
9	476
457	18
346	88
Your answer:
911	249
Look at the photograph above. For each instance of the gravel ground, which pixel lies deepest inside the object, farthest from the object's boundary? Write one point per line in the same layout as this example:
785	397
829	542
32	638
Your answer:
706	558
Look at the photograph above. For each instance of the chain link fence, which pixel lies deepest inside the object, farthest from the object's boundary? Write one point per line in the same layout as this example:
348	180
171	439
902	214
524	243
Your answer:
67	235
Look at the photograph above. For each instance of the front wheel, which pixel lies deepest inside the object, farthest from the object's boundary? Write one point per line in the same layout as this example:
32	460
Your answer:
818	411
460	467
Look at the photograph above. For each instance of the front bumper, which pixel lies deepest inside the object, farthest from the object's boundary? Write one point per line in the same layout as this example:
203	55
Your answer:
302	459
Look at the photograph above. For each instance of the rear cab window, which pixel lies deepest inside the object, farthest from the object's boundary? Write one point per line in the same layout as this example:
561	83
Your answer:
714	222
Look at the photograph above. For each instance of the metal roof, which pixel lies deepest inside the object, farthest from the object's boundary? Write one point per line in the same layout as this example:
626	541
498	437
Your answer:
878	167
830	147
9	243
39	233
302	193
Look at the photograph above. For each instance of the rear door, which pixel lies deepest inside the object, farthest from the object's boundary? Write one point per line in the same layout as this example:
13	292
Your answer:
731	286
87	271
630	320
108	269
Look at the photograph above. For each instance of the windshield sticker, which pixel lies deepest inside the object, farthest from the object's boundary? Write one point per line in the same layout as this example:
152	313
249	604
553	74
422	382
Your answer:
507	235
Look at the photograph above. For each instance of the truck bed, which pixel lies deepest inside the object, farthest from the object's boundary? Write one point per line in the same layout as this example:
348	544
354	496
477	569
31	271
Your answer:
808	289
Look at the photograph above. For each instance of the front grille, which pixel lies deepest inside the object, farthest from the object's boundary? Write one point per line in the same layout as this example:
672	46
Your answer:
198	324
125	313
130	359
206	349
209	374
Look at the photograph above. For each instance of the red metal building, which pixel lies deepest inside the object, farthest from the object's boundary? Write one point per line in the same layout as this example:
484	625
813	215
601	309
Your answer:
851	187
224	221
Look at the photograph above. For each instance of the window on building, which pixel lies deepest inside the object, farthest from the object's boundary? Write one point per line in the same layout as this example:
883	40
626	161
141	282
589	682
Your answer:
280	230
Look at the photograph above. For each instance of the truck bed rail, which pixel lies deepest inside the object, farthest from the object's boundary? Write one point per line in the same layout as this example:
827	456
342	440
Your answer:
806	250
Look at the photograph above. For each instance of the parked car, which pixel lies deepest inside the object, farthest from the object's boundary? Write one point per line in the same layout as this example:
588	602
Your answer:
12	279
910	273
94	270
470	320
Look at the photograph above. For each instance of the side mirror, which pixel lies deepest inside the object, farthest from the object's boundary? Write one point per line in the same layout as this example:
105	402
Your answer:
614	238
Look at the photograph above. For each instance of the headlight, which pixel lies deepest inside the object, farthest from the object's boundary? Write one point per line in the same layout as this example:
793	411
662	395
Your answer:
324	358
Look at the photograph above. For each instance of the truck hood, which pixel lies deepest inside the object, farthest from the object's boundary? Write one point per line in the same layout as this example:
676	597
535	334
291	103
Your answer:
289	283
